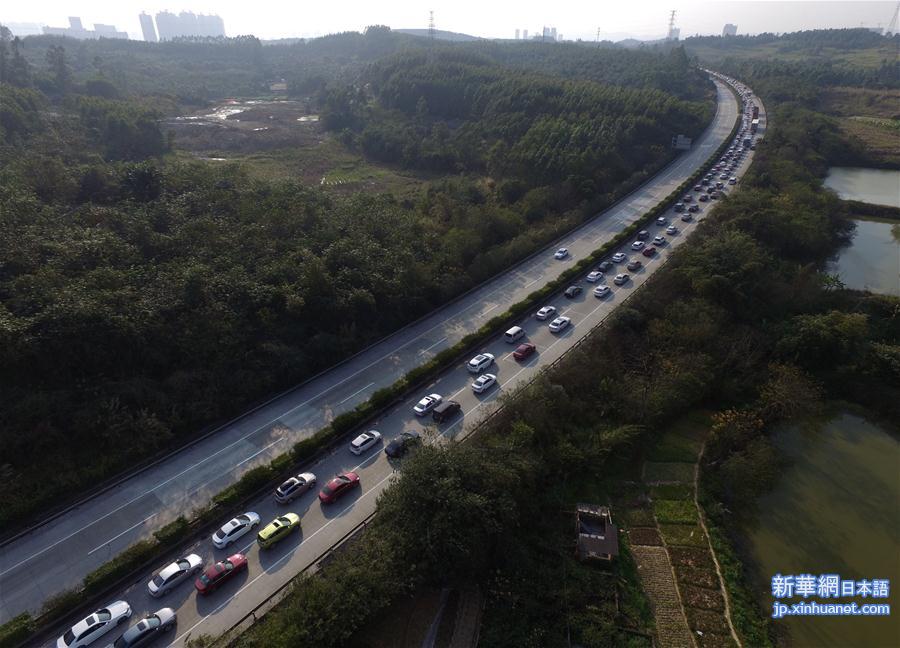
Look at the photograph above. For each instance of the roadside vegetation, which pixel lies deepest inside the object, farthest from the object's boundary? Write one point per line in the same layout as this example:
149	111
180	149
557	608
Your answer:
744	323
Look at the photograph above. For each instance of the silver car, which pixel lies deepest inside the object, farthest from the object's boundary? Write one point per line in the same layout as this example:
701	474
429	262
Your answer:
148	629
174	574
294	487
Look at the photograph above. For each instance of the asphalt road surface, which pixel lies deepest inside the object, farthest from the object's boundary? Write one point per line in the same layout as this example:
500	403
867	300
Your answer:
56	556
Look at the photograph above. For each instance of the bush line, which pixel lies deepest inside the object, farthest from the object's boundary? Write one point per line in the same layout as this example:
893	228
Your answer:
140	555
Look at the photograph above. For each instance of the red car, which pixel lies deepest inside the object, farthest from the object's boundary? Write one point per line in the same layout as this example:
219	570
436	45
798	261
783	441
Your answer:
222	571
338	487
649	252
524	351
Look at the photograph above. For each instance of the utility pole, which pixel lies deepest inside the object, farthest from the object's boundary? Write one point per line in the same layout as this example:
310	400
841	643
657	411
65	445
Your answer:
431	26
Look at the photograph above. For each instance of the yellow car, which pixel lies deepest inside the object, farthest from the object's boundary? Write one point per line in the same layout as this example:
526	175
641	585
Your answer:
278	529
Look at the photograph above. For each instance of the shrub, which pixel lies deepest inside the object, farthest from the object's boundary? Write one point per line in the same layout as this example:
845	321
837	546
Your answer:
120	566
16	630
61	604
173	532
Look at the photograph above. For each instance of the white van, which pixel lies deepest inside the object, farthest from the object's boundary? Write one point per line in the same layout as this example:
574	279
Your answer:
514	334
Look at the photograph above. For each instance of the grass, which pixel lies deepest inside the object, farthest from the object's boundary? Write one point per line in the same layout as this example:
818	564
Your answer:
688	535
672	492
675	511
668	472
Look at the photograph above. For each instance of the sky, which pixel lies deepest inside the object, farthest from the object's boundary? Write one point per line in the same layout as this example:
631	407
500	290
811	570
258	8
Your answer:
616	19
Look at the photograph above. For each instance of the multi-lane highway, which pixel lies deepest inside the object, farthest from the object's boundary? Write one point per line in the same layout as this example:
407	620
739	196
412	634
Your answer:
57	555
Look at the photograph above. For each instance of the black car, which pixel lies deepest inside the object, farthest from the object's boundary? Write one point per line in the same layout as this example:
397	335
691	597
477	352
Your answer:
643	235
573	291
606	266
401	445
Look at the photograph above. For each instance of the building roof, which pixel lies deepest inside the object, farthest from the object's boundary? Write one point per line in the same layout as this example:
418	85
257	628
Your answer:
598	537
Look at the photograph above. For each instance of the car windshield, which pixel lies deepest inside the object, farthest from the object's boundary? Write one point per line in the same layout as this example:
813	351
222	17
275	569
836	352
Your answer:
243	519
204	579
285	521
103	615
68	637
158	580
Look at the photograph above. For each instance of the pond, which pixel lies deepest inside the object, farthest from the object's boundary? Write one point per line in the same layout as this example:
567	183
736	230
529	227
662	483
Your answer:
872	261
875	186
834	510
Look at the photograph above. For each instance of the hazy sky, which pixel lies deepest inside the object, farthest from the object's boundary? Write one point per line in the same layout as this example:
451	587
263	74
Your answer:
615	18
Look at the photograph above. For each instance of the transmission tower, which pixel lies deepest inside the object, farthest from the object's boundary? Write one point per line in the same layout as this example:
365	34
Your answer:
892	26
431	26
671	33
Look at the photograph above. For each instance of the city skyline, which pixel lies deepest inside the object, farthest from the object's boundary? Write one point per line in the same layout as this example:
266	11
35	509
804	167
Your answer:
646	19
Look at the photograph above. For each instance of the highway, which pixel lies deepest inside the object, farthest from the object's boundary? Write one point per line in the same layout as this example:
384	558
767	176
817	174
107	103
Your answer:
58	554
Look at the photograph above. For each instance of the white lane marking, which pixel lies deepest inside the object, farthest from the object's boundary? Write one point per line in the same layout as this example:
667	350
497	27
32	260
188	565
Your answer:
443	339
135	499
355	393
533	281
488	310
116	537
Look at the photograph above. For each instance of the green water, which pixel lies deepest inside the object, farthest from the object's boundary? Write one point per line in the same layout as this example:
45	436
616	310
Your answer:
835	509
876	186
872	261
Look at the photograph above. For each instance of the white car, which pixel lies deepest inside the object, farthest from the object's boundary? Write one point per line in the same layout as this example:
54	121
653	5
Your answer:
559	324
618	257
732	180
427	404
364	441
545	312
637	245
620	279
671	229
95	626
295	487
481	362
234	529
561	253
601	291
661	221
659	240
483	383
174	574
594	277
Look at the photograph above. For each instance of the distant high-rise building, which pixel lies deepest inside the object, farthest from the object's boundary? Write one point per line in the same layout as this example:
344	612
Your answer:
517	34
76	30
147	28
553	33
524	34
729	30
187	23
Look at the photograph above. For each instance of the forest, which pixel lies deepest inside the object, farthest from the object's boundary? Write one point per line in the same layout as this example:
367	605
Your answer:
144	297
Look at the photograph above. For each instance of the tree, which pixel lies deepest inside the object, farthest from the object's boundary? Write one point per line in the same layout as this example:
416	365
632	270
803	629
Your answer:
59	68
